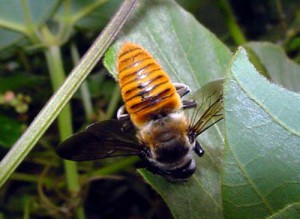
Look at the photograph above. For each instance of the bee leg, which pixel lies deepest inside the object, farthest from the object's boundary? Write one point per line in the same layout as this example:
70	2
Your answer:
198	149
122	114
186	104
182	89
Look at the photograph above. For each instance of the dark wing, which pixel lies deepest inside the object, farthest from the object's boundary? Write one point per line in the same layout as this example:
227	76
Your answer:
100	140
209	108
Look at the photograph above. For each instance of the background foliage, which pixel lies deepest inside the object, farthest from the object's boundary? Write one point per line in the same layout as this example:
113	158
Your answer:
257	174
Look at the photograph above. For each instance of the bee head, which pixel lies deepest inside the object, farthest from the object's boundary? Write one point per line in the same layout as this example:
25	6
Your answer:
170	148
179	171
173	159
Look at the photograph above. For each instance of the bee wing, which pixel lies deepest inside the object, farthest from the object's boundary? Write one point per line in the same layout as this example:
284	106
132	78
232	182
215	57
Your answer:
209	108
100	140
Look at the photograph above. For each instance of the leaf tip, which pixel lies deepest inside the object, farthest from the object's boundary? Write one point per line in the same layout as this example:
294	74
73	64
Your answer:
241	50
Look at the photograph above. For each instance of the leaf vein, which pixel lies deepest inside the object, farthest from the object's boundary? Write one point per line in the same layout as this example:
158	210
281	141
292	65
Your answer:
265	109
208	194
183	52
251	183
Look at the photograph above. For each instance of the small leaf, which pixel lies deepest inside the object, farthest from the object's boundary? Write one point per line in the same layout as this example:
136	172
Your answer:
190	54
261	171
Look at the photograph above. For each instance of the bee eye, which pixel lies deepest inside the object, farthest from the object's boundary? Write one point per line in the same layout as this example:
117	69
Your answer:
198	149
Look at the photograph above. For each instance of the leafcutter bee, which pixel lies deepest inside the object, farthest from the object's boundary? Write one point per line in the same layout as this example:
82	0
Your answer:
152	123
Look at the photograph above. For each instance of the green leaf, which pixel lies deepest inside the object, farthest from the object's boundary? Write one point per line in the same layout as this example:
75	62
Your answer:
190	54
290	212
15	10
261	171
280	68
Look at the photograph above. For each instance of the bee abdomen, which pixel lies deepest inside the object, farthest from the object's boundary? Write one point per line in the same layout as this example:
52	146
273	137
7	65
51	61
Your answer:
146	89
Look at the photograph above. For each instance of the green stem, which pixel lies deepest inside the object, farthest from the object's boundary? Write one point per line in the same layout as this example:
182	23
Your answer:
85	94
113	102
13	27
30	178
86	100
27	208
234	29
30	26
65	30
55	65
57	74
44	119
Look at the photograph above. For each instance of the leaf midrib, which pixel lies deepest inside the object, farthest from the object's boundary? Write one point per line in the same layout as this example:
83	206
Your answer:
265	108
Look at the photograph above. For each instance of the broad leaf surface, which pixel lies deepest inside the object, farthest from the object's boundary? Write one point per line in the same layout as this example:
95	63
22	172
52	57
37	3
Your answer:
261	166
280	68
99	17
190	54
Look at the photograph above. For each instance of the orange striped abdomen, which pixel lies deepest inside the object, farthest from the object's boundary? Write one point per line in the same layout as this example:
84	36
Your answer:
147	90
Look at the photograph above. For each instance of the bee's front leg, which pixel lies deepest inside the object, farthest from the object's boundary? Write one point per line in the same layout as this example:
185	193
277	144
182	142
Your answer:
182	89
122	113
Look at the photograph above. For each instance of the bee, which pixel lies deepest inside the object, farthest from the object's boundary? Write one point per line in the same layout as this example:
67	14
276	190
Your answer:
151	124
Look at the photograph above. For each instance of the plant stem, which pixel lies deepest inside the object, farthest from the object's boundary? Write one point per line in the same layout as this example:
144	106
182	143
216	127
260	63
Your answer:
57	74
30	178
85	94
113	102
55	65
13	27
234	29
27	208
28	22
44	119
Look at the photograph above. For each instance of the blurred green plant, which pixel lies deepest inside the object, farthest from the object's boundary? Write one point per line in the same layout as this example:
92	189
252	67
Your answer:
32	28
